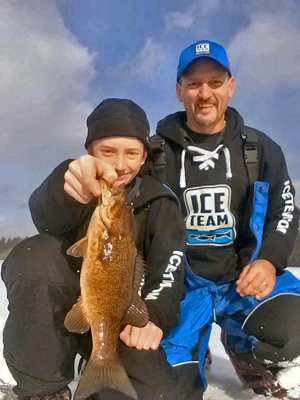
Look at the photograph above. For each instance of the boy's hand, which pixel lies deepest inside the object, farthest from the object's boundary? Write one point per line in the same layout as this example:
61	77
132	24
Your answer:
257	279
81	179
145	338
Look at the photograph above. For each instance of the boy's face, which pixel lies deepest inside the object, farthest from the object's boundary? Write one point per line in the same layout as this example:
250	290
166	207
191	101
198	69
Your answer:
125	154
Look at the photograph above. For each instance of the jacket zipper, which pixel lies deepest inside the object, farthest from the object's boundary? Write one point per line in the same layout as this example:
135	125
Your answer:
214	296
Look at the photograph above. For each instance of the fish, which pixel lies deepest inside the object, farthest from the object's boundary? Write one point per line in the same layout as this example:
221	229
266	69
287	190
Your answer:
110	279
212	236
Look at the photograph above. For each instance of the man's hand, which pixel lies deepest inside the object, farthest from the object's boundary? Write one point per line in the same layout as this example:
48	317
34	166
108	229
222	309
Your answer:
145	338
257	279
81	179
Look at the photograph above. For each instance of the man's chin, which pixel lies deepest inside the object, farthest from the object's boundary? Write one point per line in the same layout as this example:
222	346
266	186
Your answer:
205	121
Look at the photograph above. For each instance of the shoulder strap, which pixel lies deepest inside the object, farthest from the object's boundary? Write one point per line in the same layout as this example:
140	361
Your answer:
140	219
159	158
250	141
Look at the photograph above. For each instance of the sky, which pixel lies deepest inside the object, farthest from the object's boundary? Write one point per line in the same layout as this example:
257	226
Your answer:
60	58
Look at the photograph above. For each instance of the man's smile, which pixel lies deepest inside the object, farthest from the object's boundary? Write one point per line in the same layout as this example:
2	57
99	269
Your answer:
205	105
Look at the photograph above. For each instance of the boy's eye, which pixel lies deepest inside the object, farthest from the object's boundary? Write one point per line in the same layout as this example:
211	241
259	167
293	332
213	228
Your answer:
132	154
107	151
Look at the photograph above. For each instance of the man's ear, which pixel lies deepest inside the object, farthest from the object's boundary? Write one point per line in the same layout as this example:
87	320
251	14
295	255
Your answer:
90	149
178	91
231	87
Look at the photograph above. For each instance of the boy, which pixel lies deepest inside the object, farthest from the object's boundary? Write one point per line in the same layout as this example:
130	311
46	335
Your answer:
43	282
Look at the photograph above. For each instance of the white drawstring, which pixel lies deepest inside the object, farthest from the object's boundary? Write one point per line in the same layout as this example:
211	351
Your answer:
227	160
182	181
206	158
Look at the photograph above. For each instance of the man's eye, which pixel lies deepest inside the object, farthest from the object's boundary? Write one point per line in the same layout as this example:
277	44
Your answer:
215	83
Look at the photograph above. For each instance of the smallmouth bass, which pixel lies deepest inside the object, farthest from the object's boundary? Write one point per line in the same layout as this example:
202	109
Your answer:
109	282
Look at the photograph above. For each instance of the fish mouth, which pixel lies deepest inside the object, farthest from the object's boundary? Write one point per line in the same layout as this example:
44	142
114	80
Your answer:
107	191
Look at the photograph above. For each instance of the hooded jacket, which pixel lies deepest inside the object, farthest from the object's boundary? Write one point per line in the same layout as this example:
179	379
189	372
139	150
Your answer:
160	236
218	201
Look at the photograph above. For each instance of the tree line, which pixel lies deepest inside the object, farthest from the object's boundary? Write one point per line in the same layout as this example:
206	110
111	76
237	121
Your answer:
6	245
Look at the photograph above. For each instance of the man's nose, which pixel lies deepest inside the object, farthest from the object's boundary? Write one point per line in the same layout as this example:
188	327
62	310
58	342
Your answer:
204	91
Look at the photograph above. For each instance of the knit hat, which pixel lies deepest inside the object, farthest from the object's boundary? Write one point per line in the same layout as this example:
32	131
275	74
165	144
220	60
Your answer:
203	48
118	117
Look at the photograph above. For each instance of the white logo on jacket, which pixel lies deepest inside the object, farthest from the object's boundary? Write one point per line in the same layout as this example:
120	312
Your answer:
287	216
209	220
168	277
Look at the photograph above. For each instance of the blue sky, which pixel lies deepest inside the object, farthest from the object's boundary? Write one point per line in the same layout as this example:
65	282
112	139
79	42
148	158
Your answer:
60	59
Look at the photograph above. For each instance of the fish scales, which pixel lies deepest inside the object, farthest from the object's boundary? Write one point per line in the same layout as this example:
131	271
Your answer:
106	282
107	290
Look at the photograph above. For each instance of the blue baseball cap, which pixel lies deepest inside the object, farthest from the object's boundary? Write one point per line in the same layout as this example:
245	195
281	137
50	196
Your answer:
203	48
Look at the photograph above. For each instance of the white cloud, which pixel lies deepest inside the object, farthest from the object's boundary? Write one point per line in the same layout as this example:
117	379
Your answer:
146	64
197	14
45	75
177	20
267	51
265	60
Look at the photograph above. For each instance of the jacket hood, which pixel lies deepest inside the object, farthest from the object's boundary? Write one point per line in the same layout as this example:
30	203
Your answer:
172	127
151	189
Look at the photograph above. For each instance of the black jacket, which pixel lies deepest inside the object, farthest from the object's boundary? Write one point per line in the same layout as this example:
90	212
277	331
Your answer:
223	183
160	236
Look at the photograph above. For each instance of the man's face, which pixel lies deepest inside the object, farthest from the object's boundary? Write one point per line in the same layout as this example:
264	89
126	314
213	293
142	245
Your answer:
125	154
205	90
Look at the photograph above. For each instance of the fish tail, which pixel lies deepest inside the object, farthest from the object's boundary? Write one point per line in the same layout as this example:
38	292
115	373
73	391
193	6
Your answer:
101	374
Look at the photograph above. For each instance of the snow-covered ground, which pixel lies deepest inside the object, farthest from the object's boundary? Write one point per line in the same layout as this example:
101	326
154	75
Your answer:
223	383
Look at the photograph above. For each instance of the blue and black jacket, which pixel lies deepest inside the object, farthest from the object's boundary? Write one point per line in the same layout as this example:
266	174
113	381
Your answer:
228	220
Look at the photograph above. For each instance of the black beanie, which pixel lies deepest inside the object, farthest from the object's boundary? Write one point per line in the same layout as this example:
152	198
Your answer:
118	117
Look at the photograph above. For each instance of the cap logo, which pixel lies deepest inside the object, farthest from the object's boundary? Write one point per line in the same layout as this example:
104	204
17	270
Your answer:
202	48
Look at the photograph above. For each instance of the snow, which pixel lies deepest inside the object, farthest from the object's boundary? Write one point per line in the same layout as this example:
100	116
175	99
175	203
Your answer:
4	373
223	382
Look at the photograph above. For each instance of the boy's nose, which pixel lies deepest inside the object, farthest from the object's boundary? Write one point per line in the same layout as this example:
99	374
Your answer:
119	163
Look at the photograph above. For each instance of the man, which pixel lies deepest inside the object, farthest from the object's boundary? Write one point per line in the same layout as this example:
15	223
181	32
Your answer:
239	232
43	282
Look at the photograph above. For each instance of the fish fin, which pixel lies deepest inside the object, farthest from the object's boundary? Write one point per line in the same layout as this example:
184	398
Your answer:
101	374
139	273
78	249
75	320
137	314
